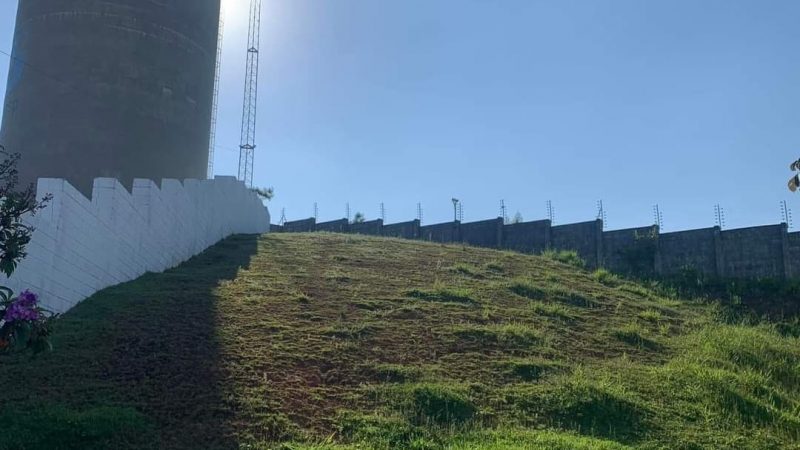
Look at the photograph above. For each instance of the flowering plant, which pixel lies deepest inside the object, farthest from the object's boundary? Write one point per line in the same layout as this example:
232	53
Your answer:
25	325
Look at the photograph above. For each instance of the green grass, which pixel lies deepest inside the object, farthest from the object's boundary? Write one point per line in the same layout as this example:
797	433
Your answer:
569	257
54	426
528	289
508	334
332	342
554	310
395	373
529	369
634	334
605	277
650	315
467	269
443	294
431	403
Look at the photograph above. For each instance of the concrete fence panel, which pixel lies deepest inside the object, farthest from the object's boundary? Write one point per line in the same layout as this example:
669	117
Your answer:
334	226
755	252
81	246
586	238
300	226
441	232
527	237
371	227
406	230
693	249
486	233
632	250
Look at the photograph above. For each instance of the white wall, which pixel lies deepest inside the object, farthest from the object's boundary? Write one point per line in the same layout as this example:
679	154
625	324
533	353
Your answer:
81	246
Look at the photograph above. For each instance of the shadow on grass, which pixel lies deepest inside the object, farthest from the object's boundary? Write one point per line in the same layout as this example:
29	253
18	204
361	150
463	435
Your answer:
146	352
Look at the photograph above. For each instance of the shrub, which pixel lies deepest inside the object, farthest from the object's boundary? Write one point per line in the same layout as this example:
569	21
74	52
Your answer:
569	257
23	323
650	315
605	277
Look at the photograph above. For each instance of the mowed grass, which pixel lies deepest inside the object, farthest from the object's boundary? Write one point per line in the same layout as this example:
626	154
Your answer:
326	341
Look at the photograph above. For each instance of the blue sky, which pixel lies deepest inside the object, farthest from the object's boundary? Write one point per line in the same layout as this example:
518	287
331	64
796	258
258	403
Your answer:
681	103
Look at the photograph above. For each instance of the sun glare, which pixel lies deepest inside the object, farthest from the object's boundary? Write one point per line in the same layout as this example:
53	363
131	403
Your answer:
234	11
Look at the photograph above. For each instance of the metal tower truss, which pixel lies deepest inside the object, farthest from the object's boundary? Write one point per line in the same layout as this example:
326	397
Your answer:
247	141
212	140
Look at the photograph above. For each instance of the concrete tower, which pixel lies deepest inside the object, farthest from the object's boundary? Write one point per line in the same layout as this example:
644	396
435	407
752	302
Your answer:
111	88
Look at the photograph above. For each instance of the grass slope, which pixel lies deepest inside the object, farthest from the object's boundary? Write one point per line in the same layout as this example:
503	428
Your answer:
324	341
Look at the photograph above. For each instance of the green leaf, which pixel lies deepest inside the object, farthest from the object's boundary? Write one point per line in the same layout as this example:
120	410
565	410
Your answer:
6	294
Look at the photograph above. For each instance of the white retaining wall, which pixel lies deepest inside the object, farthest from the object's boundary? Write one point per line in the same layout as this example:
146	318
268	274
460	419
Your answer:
81	246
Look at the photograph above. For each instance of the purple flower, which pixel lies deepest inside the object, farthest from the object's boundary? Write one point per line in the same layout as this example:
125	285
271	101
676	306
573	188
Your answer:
27	299
23	308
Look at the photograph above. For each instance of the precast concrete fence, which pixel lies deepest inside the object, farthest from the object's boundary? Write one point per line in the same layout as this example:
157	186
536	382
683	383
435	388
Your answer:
757	252
82	245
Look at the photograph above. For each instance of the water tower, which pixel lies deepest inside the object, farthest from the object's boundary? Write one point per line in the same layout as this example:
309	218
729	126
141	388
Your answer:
111	88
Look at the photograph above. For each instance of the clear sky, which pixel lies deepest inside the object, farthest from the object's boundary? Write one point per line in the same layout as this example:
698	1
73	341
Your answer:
683	103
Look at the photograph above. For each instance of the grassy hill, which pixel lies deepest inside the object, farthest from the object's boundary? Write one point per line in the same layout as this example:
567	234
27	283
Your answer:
324	341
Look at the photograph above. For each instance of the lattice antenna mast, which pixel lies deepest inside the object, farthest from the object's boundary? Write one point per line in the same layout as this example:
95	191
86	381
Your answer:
247	141
212	138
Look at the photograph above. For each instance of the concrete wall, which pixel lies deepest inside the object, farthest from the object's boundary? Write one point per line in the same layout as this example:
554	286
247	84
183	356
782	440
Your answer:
761	252
586	238
334	226
695	249
372	227
441	232
300	226
407	230
754	252
793	254
631	250
486	233
81	246
527	237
